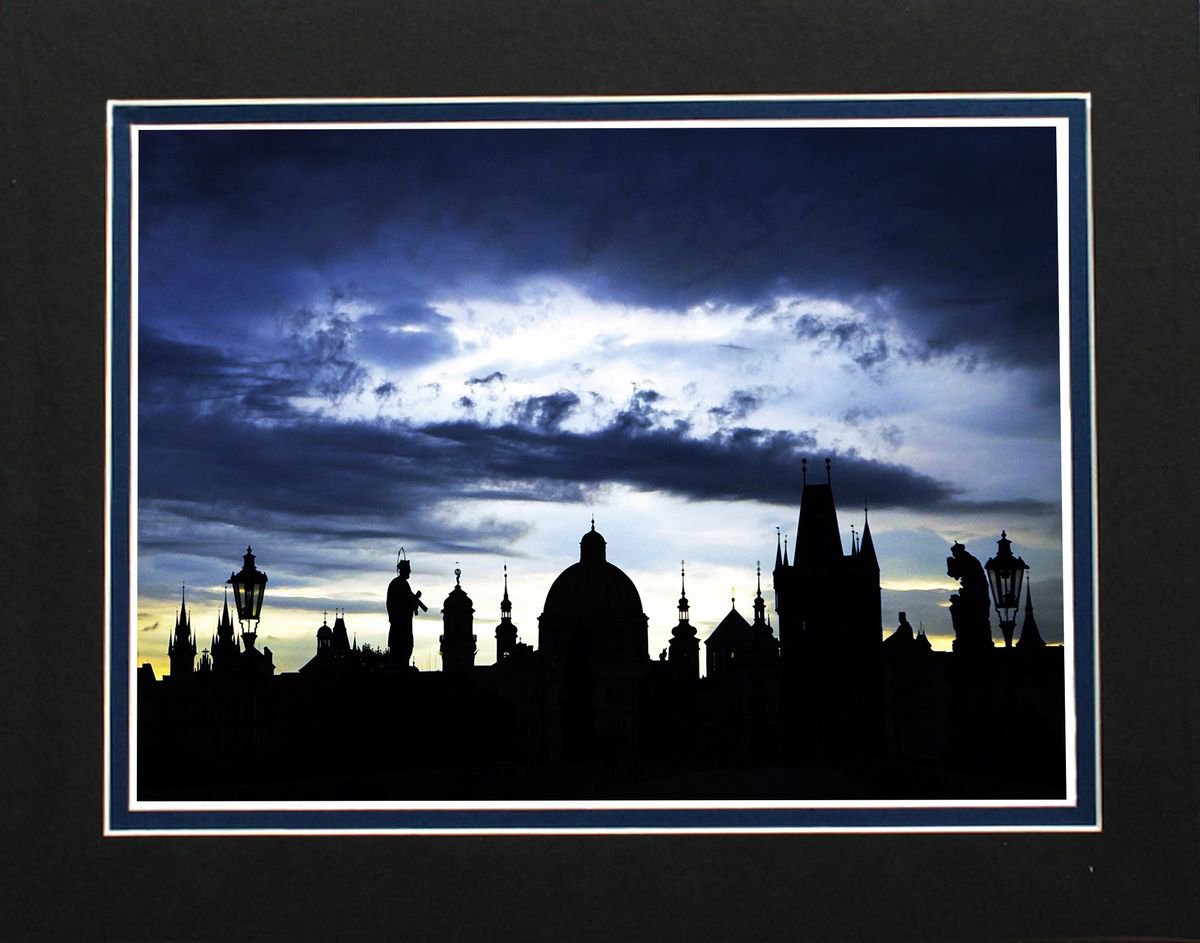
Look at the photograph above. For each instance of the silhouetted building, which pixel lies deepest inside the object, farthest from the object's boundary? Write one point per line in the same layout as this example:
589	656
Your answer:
684	654
340	643
225	648
506	632
731	637
181	648
830	628
458	638
592	634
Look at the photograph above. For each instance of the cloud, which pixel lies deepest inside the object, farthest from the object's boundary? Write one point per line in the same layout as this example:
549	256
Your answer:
948	233
546	412
320	343
494	377
738	405
865	344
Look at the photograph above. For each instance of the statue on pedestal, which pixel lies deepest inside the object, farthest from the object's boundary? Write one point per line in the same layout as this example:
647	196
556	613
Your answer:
971	605
402	605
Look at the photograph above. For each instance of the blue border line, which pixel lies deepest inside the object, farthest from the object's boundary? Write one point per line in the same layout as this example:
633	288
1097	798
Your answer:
1083	815
119	536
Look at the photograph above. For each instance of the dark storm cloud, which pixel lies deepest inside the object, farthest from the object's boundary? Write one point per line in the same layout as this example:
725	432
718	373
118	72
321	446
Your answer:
320	345
737	405
205	376
863	343
949	233
546	412
348	480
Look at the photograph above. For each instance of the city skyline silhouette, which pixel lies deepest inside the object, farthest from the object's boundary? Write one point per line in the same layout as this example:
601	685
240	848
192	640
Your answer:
817	704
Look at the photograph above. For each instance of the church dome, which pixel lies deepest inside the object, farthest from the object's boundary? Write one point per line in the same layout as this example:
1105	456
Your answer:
595	604
597	588
593	585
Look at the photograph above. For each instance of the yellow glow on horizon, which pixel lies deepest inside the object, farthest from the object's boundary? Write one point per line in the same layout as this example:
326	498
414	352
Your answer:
918	583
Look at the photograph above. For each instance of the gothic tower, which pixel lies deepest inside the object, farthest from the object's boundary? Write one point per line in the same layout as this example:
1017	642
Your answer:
830	627
181	649
339	644
1031	639
224	643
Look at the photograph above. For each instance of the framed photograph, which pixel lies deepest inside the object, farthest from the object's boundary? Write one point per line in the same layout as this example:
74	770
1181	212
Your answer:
594	465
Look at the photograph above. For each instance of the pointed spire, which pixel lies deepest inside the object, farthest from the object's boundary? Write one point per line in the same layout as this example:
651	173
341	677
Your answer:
785	555
804	471
760	606
683	600
593	520
505	603
778	550
1030	636
866	546
829	471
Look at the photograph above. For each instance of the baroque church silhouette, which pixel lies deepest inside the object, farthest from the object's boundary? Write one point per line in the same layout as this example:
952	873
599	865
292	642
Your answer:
818	705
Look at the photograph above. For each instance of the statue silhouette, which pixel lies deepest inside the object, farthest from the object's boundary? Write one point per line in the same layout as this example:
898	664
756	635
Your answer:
402	605
971	605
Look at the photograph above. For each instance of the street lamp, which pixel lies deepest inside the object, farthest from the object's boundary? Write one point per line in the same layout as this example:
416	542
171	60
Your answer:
1006	573
248	587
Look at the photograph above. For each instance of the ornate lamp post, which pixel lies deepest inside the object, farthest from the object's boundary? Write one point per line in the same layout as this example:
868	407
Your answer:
248	587
1006	573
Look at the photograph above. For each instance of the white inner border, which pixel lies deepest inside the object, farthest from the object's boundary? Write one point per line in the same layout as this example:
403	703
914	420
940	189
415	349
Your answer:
1061	126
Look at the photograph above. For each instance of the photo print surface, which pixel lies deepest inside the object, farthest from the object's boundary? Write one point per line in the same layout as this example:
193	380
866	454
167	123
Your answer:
613	465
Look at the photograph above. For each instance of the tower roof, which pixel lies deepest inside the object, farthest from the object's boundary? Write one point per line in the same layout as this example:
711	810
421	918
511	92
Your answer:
733	629
592	546
866	547
458	600
818	541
